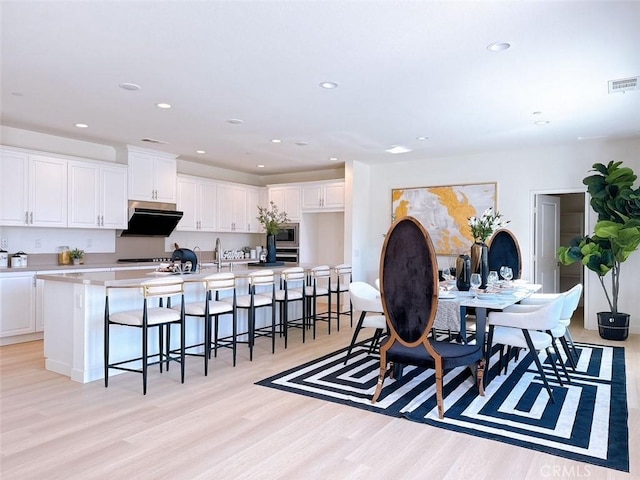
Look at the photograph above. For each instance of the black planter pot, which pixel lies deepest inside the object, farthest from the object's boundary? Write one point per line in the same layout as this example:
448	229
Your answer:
613	326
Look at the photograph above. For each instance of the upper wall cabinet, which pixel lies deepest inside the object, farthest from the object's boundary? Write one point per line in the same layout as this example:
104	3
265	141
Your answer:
33	189
253	200
97	195
232	208
197	201
287	199
323	196
152	175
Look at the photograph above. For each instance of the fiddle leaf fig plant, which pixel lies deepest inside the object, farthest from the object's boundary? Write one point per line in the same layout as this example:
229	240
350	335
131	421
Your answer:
616	235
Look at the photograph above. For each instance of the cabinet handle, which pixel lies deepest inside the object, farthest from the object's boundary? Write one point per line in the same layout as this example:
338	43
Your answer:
98	220
26	218
31	218
102	220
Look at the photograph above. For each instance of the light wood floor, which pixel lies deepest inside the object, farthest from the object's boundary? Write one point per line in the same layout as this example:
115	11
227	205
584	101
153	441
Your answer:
225	427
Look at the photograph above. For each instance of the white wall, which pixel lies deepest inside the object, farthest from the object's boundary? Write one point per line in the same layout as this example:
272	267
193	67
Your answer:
518	173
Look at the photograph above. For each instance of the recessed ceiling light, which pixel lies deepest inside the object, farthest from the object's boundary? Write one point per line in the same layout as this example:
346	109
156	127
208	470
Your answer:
329	85
132	87
333	159
235	121
398	149
163	105
82	125
536	113
422	138
260	165
200	151
541	122
276	140
498	46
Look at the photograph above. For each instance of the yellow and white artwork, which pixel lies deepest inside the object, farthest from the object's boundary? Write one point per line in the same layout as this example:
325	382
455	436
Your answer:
444	211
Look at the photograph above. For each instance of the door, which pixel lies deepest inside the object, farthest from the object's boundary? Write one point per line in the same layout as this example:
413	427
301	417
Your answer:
547	241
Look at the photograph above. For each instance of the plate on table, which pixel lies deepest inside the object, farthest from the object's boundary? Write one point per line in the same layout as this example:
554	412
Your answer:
488	296
446	296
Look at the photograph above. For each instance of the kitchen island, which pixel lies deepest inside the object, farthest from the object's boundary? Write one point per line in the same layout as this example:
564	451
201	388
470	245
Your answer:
73	304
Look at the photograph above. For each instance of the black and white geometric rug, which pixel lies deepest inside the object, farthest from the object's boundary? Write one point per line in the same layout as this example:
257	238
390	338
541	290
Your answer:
587	422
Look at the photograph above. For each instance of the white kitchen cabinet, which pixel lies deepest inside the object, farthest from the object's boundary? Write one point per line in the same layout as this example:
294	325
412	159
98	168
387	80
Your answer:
33	189
152	176
287	199
323	196
17	303
231	201
196	199
97	195
253	200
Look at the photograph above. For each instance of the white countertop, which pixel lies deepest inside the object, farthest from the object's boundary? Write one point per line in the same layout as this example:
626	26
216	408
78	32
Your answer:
127	277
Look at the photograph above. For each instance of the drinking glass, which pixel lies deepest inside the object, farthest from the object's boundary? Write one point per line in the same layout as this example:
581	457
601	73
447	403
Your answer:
476	281
508	274
503	270
492	278
446	274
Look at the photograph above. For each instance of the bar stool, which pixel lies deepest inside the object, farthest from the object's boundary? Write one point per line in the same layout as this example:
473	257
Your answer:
210	307
342	274
292	283
254	300
144	319
317	286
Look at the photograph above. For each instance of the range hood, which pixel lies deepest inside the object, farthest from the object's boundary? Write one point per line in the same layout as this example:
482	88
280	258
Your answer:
151	219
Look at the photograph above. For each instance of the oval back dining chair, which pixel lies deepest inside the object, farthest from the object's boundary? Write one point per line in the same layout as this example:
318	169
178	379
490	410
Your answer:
409	289
505	250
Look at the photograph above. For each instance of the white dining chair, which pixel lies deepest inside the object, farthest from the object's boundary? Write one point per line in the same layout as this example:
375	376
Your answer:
366	299
527	328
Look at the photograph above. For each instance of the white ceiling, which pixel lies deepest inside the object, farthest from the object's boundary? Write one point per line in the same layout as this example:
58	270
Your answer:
404	70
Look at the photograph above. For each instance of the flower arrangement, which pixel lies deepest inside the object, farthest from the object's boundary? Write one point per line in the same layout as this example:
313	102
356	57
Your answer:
482	228
271	218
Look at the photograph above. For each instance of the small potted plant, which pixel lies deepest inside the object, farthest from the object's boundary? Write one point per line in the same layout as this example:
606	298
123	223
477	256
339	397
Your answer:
77	255
615	237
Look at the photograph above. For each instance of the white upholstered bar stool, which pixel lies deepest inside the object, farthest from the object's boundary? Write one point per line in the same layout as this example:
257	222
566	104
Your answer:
145	318
318	287
261	294
339	285
211	307
292	283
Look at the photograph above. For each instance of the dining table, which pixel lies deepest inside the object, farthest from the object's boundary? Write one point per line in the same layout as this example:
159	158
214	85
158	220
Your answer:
453	305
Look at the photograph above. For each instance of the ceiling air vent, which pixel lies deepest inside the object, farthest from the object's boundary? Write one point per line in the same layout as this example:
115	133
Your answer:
153	140
623	85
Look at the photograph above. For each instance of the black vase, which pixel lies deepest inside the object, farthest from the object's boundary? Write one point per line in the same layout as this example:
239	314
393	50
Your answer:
463	273
271	249
480	261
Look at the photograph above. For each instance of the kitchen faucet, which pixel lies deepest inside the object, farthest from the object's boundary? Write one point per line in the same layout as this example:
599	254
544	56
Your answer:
218	253
198	253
